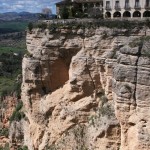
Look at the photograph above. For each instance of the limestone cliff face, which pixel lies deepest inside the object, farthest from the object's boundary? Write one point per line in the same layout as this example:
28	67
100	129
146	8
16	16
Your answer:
131	85
72	79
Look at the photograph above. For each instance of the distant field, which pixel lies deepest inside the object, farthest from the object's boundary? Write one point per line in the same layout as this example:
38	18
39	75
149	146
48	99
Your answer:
8	46
5	83
10	64
12	26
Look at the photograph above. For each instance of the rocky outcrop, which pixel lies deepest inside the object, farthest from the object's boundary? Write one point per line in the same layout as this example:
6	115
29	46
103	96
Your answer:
131	88
67	90
72	79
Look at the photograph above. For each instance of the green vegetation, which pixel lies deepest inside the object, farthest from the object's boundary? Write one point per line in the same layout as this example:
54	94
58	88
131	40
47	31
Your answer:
9	70
12	49
10	88
4	132
12	26
104	109
6	147
30	26
17	114
23	148
113	24
12	46
11	53
64	13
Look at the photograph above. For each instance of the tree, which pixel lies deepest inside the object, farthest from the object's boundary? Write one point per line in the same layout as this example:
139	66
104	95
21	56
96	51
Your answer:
64	12
46	12
76	11
30	26
95	12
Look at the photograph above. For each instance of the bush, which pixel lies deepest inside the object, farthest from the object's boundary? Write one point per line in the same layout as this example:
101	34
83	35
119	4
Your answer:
4	132
17	115
106	110
30	26
42	25
14	88
19	106
23	148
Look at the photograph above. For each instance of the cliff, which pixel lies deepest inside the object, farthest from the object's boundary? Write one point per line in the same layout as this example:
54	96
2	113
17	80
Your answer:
86	89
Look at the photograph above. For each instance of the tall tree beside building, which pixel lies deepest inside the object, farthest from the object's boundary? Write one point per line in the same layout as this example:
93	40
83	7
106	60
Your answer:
64	13
46	12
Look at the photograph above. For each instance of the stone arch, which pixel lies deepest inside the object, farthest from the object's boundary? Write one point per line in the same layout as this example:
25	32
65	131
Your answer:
146	14
117	14
108	15
136	14
126	14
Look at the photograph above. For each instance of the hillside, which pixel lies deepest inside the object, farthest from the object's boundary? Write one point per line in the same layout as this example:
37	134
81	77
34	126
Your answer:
22	16
12	27
12	49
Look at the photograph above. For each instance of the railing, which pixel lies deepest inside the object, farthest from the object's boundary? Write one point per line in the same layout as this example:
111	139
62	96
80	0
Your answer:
117	7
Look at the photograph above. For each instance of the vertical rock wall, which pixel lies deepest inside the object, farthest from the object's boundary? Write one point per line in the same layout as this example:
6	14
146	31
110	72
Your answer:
132	94
72	79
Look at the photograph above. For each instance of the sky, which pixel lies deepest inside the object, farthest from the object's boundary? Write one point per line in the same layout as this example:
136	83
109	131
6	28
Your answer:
27	5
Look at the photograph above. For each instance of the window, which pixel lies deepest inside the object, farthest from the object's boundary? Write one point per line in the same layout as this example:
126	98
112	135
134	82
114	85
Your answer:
137	3
117	4
147	2
127	4
107	4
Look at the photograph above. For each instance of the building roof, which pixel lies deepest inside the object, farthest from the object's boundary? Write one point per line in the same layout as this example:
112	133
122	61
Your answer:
63	2
84	1
76	1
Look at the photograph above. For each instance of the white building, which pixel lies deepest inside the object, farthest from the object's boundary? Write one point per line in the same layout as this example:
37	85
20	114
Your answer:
112	8
126	8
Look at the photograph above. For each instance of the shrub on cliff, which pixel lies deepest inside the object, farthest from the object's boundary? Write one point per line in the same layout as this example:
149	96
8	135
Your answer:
4	132
17	114
42	25
30	26
23	148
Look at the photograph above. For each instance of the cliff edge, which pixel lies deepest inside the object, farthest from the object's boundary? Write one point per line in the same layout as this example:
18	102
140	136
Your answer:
86	89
